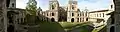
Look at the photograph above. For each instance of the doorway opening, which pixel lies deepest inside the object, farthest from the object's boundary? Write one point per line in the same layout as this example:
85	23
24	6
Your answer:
112	29
52	19
72	20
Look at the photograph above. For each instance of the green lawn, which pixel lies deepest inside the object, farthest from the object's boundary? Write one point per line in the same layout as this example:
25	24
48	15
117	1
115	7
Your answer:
51	27
63	26
75	26
46	26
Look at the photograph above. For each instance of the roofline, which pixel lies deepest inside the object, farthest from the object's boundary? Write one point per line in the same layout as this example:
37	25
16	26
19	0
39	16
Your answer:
99	11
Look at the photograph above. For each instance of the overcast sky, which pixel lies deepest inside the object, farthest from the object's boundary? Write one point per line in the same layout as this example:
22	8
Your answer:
90	4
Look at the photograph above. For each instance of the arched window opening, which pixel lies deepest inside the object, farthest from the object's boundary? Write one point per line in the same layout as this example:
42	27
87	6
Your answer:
52	14
72	14
77	19
53	7
13	4
112	29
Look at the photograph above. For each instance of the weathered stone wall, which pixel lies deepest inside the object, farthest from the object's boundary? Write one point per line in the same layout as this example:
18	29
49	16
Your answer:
117	15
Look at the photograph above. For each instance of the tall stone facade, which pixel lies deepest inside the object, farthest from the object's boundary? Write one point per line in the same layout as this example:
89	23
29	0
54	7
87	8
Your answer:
74	14
3	17
114	21
99	18
55	12
111	20
10	16
117	16
52	13
11	3
70	13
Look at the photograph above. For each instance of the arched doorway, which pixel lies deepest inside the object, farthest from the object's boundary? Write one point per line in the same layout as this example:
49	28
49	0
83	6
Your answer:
72	20
112	29
10	28
52	19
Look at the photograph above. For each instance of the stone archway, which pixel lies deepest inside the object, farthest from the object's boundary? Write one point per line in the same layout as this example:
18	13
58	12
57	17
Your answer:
112	29
72	20
52	19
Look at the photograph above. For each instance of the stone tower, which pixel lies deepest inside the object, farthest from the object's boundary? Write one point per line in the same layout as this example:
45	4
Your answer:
116	16
11	3
72	5
72	11
4	7
53	5
112	6
52	14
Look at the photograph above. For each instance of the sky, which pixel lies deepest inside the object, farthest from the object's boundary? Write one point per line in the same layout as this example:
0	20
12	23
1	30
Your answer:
90	4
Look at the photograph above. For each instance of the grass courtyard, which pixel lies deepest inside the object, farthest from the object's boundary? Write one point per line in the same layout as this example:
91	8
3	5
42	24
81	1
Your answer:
76	26
64	27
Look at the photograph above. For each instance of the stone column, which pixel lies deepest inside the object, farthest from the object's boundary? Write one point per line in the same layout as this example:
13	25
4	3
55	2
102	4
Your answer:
5	15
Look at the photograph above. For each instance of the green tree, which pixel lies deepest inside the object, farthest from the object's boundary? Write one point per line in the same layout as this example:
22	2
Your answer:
31	7
30	12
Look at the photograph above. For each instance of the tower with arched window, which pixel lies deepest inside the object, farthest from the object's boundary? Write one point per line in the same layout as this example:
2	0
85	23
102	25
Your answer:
53	11
11	3
72	11
53	5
